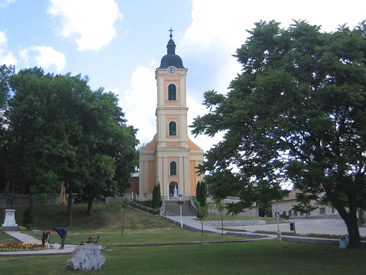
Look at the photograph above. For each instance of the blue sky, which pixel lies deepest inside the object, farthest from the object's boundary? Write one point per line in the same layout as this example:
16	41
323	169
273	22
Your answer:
118	44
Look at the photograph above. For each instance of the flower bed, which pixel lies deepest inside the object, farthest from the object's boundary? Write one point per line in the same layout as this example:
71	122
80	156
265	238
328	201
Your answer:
19	246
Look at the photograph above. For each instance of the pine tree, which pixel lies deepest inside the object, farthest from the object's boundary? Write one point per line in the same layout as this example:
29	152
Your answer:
156	196
203	191
198	192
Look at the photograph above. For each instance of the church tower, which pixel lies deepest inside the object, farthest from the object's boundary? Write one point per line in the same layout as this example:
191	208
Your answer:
171	157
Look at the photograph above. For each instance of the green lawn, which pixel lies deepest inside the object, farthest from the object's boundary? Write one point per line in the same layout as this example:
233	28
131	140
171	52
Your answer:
259	257
262	257
106	222
5	238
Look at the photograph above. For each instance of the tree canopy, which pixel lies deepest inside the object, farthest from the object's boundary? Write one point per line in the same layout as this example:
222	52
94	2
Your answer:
296	114
5	73
61	133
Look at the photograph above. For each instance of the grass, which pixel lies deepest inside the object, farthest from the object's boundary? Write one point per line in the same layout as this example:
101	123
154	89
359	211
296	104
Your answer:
264	257
106	222
261	257
5	238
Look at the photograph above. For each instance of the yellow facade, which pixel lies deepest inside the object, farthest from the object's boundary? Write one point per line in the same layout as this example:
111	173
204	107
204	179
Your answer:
171	157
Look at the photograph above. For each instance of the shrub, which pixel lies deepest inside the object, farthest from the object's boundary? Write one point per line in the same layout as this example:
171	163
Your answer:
156	196
138	205
27	217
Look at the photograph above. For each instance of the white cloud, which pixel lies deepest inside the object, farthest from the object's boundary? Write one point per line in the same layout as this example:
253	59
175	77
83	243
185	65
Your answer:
139	102
197	109
218	27
5	3
91	22
6	56
44	57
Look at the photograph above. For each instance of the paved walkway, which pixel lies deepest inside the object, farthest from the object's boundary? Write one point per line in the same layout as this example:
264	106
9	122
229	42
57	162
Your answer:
302	226
305	226
190	222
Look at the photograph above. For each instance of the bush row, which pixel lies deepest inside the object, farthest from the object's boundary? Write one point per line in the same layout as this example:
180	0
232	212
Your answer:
138	205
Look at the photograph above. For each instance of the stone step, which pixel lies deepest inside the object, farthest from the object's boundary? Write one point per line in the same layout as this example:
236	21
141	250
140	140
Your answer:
173	207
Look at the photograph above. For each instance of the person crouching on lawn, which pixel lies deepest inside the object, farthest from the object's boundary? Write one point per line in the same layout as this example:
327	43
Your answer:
62	232
46	237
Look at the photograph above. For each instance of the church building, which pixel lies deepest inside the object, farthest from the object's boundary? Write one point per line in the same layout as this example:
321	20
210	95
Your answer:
171	157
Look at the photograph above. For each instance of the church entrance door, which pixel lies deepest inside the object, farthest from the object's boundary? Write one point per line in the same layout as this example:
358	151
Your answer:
173	189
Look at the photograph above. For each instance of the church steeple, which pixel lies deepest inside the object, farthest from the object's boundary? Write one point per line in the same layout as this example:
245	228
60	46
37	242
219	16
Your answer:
171	59
171	157
171	45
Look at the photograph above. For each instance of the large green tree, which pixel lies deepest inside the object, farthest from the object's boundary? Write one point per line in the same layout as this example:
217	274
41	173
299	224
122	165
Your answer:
297	114
111	148
61	133
5	73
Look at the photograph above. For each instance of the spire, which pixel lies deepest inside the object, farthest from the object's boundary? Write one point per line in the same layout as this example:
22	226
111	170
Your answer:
171	33
171	44
171	59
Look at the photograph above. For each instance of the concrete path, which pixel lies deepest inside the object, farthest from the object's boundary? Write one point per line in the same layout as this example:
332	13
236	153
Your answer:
190	222
305	226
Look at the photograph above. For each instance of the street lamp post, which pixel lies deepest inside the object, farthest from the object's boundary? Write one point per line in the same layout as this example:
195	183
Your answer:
278	225
180	209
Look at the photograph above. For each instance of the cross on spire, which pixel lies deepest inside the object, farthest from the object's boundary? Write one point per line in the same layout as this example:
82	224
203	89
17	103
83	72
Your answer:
171	33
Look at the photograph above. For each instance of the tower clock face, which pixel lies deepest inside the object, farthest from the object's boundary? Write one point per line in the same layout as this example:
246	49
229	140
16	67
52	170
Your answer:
171	70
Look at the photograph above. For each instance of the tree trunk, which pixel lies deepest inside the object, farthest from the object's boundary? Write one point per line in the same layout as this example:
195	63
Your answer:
90	204
352	227
30	206
69	209
349	217
222	225
123	219
353	233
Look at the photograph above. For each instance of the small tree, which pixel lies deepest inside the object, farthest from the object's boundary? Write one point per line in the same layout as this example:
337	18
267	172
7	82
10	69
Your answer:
202	212
156	196
201	192
198	187
27	217
124	205
220	206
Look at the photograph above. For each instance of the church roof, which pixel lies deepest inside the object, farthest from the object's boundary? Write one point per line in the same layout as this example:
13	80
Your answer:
171	59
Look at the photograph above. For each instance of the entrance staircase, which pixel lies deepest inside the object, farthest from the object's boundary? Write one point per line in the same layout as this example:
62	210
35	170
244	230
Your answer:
172	208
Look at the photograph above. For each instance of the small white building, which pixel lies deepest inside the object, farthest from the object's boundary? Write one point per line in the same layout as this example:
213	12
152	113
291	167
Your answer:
284	207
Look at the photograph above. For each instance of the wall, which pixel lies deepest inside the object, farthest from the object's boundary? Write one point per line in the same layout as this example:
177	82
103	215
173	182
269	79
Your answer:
321	212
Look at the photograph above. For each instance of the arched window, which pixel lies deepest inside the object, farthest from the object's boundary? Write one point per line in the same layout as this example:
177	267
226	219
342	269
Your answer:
172	92
172	128
173	168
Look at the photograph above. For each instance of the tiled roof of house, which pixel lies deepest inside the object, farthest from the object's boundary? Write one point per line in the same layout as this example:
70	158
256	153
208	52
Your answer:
291	195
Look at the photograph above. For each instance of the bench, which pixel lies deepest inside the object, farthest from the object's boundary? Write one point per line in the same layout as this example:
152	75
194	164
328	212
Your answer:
91	240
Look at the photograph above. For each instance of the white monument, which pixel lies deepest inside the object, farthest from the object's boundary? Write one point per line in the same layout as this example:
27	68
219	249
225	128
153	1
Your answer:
175	191
9	222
